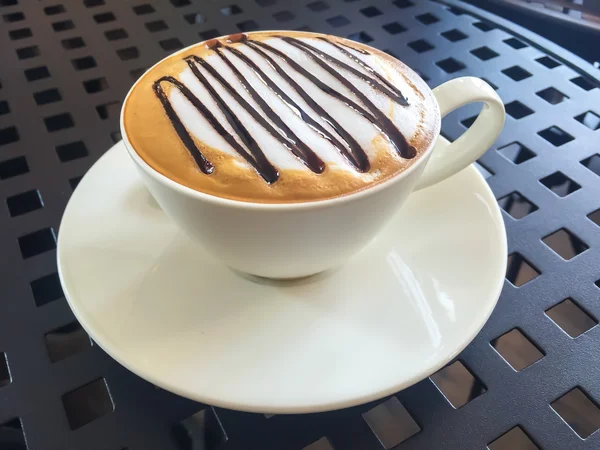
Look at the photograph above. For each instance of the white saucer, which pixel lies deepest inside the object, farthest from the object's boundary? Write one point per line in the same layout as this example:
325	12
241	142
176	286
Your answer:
396	313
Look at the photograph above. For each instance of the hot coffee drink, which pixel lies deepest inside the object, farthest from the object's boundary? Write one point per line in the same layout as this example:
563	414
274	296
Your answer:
280	117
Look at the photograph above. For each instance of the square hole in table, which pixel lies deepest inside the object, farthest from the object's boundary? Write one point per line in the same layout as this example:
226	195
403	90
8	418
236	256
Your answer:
516	153
37	73
93	3
66	341
516	205
8	135
318	6
284	16
71	151
13	167
170	44
552	95
21	33
247	25
4	107
565	244
74	182
394	28
59	122
516	73
194	18
548	62
484	53
517	110
485	171
458	385
72	43
595	217
513	439
13	17
391	423
109	110
116	136
156	25
54	9
427	18
180	3
519	271
87	403
454	35
202	429
450	65
116	34
63	25
370	11
140	10
84	63
560	184
556	136
104	17
46	289
571	318
515	43
136	73
484	25
593	163
403	3
321	444
4	372
338	21
456	11
128	53
38	242
580	412
24	203
231	10
584	83
212	33
28	52
14	429
95	85
468	121
420	46
361	36
590	119
517	350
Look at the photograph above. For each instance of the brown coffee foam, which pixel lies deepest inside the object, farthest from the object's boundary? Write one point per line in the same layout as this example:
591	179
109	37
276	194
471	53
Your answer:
153	137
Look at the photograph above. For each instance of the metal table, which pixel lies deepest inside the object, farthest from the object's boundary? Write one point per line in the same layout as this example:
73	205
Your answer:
531	379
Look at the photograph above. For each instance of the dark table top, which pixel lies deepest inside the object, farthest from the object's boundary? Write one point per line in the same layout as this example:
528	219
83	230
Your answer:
531	378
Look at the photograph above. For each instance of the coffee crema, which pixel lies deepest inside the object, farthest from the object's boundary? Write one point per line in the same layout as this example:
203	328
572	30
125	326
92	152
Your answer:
278	117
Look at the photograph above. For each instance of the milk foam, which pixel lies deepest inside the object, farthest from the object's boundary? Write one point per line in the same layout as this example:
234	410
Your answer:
408	119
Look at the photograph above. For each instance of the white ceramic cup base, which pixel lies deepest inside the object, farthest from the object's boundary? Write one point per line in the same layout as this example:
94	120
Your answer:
160	305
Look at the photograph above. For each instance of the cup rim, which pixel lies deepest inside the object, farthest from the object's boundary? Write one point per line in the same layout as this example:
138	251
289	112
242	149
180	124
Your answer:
243	204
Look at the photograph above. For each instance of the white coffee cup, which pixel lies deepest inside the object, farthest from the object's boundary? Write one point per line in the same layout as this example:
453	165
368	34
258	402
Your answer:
299	239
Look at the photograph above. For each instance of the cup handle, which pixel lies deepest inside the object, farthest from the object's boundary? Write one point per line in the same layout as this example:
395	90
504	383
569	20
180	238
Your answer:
448	159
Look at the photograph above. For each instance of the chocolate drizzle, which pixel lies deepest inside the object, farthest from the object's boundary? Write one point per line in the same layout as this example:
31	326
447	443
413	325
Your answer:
396	95
394	135
357	157
288	139
204	165
402	100
344	142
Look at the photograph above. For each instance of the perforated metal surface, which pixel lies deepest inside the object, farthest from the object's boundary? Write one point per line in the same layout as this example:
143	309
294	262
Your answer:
65	67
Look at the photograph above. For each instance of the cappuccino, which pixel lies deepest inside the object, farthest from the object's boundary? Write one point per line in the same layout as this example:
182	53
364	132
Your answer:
280	117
